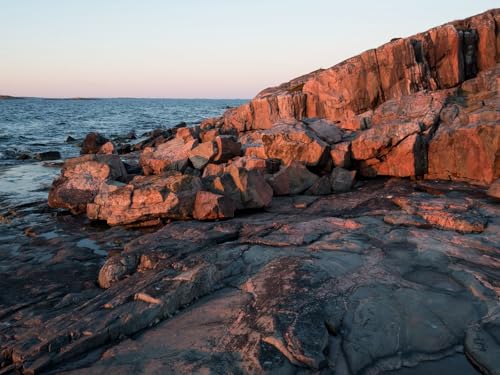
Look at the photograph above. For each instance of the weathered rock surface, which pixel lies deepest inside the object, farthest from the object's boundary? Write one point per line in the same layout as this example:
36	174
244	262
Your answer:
342	180
210	206
171	155
331	286
146	198
82	178
203	154
293	143
292	179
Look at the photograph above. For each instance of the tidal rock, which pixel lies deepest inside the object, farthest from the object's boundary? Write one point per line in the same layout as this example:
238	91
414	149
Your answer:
172	155
292	179
82	178
293	142
210	206
146	198
92	143
342	180
48	155
203	154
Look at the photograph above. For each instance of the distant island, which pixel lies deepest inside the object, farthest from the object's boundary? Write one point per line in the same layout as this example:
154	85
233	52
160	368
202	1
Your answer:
9	97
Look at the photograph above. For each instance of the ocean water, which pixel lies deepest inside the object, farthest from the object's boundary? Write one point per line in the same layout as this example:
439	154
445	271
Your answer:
36	125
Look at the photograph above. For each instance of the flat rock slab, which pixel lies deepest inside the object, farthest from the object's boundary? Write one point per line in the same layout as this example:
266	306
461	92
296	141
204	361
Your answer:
352	283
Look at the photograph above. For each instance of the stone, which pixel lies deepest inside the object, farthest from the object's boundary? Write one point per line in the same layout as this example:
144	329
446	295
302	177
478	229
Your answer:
145	198
210	206
391	150
227	147
108	148
341	154
209	135
293	143
325	130
342	180
247	188
188	134
92	143
322	186
82	178
292	179
203	154
251	163
48	155
494	189
172	155
213	170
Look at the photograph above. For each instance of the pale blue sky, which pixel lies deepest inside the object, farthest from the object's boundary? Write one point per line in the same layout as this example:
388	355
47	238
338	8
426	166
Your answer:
195	48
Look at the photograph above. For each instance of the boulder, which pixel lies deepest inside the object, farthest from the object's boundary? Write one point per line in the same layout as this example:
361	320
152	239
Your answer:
82	178
251	163
341	154
247	188
146	198
293	142
188	134
48	155
227	148
210	206
325	130
172	155
108	148
209	135
92	143
342	180
213	170
203	154
322	186
494	190
292	179
467	153
395	149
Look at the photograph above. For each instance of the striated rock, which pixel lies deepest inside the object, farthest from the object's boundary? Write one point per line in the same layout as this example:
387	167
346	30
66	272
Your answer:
82	178
448	214
172	155
494	190
293	143
146	198
203	154
210	206
292	179
342	180
92	143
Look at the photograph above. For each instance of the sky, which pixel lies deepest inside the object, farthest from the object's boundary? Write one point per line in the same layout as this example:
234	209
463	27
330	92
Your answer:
195	48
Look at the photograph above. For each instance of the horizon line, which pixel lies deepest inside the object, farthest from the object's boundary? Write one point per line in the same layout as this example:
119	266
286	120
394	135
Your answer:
5	96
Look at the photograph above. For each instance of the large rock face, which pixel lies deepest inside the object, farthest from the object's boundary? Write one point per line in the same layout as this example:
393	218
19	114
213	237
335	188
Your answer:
440	58
82	178
392	97
172	155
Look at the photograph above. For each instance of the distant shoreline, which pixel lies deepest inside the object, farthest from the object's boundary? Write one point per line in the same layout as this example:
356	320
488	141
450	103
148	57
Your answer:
10	97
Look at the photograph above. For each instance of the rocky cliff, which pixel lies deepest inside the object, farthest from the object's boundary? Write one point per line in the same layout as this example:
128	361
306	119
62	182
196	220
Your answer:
407	80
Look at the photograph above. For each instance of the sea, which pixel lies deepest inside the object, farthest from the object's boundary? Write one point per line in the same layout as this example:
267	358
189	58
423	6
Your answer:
29	126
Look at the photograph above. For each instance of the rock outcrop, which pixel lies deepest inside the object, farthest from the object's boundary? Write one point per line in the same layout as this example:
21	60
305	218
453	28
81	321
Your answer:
82	179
